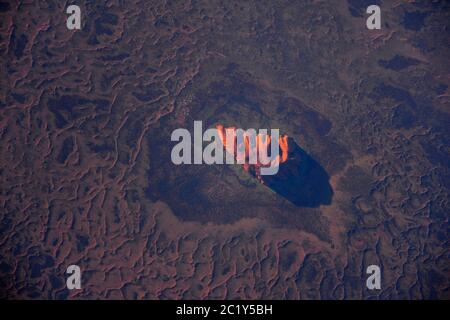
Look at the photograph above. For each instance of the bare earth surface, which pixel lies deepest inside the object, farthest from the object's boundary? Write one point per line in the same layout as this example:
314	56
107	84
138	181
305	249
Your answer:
85	170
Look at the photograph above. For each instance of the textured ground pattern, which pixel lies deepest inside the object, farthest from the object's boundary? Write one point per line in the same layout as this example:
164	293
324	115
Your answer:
86	177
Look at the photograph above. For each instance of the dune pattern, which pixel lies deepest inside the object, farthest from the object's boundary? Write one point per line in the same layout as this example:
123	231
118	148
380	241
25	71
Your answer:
85	122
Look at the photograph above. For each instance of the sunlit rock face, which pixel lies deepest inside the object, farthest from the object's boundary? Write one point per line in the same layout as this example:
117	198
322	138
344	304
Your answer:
222	193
